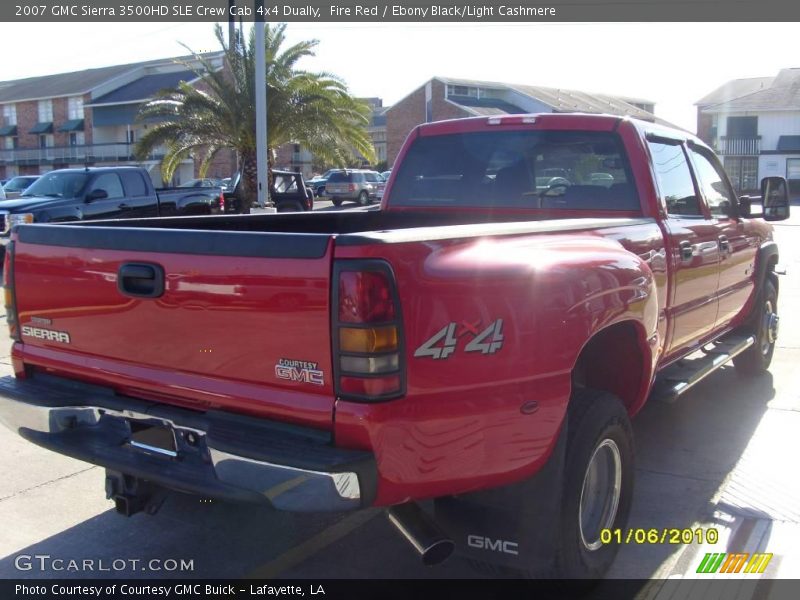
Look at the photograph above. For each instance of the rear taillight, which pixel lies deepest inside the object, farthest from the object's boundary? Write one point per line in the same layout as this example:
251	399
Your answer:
8	293
352	187
367	332
222	202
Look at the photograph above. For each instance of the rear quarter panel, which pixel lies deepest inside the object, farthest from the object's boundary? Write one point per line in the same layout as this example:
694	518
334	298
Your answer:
474	420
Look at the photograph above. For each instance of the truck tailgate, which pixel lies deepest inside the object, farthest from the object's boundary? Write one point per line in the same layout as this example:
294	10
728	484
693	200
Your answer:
235	308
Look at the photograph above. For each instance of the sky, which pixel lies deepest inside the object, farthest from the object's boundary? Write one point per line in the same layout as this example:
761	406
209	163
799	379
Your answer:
672	64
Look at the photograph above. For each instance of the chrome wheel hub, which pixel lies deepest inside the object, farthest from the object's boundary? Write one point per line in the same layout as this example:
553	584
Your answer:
770	327
600	493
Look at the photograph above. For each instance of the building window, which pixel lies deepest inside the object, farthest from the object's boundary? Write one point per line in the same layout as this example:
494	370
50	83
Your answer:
743	172
793	168
76	138
742	127
45	140
11	143
131	136
10	114
45	111
75	108
463	90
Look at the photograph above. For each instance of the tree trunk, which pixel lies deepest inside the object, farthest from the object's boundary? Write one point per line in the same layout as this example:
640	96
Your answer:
248	185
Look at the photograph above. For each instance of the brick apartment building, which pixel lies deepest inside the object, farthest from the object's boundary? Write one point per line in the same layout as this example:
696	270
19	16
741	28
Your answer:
754	124
88	118
446	98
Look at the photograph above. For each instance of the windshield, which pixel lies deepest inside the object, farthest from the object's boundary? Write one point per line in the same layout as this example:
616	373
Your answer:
18	184
58	185
520	169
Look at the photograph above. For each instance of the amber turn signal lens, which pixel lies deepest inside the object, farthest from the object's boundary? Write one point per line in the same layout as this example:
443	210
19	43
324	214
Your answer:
368	340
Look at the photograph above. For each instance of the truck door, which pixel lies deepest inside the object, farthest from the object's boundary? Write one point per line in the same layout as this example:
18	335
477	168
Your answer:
110	207
692	247
139	203
737	248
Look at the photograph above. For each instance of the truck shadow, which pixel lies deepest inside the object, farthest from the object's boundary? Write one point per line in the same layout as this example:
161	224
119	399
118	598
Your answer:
684	453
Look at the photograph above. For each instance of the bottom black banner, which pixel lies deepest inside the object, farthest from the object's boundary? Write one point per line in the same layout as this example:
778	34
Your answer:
483	589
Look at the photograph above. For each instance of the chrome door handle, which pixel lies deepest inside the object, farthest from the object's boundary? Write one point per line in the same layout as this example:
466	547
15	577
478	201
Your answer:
686	250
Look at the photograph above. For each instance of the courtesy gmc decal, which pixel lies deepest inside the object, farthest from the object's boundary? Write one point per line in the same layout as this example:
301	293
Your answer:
301	371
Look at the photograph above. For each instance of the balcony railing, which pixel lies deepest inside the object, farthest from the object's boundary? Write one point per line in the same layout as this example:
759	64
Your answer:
88	153
749	146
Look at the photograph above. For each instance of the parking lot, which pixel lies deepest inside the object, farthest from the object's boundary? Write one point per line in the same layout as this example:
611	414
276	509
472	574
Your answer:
722	457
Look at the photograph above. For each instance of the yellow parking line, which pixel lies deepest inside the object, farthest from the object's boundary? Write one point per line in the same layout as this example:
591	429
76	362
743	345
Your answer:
313	545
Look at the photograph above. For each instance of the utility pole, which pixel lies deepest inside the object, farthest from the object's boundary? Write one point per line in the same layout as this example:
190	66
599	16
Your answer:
261	104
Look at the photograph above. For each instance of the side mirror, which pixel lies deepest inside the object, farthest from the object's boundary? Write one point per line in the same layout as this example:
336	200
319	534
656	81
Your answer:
96	195
775	196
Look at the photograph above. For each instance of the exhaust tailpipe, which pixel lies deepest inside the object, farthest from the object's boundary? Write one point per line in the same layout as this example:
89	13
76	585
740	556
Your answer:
430	542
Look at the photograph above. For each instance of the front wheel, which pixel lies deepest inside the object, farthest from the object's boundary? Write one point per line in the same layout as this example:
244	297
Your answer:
764	326
598	484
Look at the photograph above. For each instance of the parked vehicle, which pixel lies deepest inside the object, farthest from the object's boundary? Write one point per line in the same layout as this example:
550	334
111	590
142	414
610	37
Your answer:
478	341
381	187
16	185
318	183
102	193
357	185
289	193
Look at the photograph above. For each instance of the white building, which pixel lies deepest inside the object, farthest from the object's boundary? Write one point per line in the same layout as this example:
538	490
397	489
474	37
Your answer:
754	124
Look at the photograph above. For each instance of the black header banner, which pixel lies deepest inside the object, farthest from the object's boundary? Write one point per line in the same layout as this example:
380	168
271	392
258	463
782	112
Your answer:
391	11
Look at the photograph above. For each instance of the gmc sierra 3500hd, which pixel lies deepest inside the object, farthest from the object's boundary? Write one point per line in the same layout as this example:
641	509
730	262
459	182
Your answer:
482	340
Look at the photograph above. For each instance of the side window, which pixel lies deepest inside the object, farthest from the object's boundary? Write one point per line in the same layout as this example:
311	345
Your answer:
110	183
716	191
674	179
134	184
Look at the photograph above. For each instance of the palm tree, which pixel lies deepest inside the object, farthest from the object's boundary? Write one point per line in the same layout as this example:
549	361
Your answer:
314	110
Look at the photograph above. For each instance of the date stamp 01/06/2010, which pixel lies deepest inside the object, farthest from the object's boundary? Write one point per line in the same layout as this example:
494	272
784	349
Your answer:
665	535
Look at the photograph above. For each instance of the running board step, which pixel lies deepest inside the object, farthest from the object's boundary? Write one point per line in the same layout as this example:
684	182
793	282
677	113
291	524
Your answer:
684	374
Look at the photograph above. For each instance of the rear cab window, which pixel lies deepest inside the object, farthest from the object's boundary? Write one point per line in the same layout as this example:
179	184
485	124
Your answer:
571	170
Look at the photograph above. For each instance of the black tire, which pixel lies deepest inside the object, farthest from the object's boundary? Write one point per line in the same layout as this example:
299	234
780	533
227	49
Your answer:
363	198
599	429
764	326
336	201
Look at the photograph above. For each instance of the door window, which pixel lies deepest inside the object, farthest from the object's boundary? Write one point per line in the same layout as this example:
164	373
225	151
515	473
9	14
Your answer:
110	183
674	179
134	184
715	188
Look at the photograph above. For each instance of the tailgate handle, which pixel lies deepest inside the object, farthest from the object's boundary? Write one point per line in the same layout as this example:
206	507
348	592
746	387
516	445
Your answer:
140	280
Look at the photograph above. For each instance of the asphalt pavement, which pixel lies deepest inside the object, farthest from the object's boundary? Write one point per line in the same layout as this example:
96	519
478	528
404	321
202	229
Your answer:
723	457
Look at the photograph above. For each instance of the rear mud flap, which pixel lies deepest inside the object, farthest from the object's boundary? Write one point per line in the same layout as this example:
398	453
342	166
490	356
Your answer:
514	526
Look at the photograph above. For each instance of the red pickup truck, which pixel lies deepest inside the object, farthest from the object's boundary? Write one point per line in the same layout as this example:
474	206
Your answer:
481	340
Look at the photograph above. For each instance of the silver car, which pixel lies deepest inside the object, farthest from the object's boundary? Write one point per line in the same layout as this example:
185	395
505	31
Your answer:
358	185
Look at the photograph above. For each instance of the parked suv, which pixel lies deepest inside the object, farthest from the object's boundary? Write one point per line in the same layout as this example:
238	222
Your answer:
353	184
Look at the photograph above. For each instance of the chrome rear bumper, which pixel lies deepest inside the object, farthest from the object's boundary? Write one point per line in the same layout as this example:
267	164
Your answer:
216	454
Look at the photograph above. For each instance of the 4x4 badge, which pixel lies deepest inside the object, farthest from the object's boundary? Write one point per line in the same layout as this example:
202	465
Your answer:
444	342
